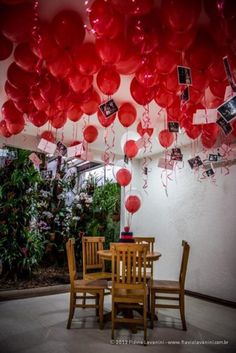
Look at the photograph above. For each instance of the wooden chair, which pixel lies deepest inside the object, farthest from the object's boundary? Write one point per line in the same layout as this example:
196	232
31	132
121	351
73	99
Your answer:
129	288
93	267
171	287
89	289
150	243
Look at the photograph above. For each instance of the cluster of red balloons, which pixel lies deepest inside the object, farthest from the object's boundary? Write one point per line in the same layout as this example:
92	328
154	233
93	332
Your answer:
51	77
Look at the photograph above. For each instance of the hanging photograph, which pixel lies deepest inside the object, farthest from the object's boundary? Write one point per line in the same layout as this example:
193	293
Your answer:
61	149
173	126
176	154
210	172
108	108
184	97
184	75
228	109
213	157
226	127
195	162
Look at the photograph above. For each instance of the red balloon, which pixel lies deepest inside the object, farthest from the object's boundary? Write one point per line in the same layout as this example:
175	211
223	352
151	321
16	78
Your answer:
130	148
170	82
74	113
166	138
110	51
24	105
210	130
11	113
14	93
18	21
207	142
166	60
108	80
218	88
48	135
132	203
105	122
142	95
45	48
104	20
80	83
173	111
61	66
123	177
68	29
216	70
130	63
147	75
13	2
193	131
142	131
25	58
38	118
127	114
49	87
59	120
201	53
4	130
15	128
234	128
144	33
164	98
90	107
181	15
90	133
199	80
180	41
39	102
133	7
86	59
20	78
195	95
6	47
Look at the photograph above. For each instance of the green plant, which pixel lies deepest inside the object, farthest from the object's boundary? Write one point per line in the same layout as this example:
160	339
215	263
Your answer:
106	198
20	246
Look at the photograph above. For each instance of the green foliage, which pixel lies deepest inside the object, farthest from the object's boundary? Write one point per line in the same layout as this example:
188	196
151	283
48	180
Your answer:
106	198
20	247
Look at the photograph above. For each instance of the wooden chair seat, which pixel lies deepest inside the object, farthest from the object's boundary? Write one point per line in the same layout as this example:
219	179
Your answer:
163	285
97	275
157	287
89	289
81	284
128	295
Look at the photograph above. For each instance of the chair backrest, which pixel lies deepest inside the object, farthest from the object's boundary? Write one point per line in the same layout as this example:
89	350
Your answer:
91	260
146	240
184	263
128	266
71	260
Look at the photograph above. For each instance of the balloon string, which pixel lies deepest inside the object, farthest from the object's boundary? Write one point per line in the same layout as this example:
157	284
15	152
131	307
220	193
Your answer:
112	159
106	153
145	117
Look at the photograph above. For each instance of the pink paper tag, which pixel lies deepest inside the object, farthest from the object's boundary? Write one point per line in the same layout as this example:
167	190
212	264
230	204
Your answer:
35	159
47	146
203	116
75	150
165	164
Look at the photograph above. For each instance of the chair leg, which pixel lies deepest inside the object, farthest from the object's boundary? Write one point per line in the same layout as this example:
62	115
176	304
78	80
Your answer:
101	303
145	321
113	321
72	309
182	311
97	304
84	300
152	307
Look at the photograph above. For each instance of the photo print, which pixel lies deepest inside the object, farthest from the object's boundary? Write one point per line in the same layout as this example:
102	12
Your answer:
210	172
108	108
226	127
176	154
46	174
213	157
184	75
228	109
195	162
61	149
173	126
185	95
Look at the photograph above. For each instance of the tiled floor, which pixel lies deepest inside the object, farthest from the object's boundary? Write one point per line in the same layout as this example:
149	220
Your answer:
38	325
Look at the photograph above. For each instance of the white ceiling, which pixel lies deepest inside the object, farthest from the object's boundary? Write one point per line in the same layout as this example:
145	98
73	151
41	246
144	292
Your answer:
47	11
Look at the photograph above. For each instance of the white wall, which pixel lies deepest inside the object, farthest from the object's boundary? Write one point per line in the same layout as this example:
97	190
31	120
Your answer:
203	213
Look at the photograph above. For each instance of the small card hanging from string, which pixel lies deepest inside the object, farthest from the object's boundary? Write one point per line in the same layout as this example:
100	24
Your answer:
173	126
108	108
228	109
35	159
195	162
184	75
47	146
229	73
225	126
61	149
176	154
126	159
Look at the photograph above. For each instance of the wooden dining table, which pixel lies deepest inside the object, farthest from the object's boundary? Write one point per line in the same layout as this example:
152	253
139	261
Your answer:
107	255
